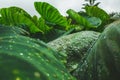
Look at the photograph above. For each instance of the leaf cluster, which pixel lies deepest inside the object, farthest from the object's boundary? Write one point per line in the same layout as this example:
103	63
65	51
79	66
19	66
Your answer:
52	23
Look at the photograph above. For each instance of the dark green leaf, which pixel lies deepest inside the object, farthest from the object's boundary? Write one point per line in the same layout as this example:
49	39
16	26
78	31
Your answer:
23	58
102	62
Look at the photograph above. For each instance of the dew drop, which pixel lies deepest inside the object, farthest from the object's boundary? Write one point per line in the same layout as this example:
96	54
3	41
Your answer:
28	57
69	78
28	41
54	75
62	72
29	54
90	75
10	46
11	41
37	74
104	37
15	71
21	54
0	46
18	78
48	74
81	69
47	60
33	46
42	59
11	36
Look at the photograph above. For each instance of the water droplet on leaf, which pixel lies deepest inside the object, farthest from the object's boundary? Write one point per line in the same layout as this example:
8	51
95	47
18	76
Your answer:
21	54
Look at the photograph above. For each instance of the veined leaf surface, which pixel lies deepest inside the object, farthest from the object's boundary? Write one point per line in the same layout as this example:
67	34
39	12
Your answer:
50	13
86	22
13	16
97	12
23	58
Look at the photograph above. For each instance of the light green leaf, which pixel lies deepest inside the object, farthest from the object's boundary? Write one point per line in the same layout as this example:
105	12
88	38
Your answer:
97	12
43	25
14	16
80	19
50	14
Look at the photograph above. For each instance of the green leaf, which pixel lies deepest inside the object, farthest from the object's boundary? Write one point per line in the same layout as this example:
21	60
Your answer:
80	19
14	16
77	27
95	21
50	14
102	62
43	26
23	58
75	46
97	12
35	19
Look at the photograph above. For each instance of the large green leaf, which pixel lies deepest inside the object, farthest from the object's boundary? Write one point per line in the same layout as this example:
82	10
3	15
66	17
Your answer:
23	58
86	22
97	12
75	46
16	16
102	62
50	14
